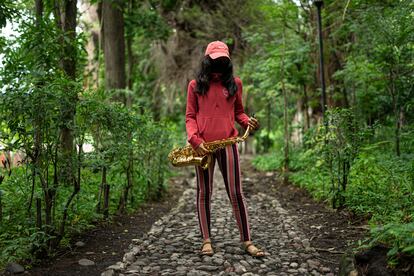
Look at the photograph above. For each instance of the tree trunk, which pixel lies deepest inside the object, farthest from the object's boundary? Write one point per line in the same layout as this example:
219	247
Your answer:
39	11
285	113
129	171
36	126
101	190
306	107
68	63
48	192
267	145
106	201
38	213
114	47
397	112
112	20
90	16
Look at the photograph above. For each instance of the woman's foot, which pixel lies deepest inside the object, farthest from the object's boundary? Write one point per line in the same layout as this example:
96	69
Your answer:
206	248
252	250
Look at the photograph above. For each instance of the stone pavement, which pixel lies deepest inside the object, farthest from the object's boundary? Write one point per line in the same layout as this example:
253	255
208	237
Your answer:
173	244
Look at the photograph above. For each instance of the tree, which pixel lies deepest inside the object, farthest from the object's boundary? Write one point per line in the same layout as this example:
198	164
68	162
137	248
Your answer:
112	19
65	16
114	48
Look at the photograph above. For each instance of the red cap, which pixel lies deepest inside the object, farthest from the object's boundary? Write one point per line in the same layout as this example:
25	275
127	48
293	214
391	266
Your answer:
217	49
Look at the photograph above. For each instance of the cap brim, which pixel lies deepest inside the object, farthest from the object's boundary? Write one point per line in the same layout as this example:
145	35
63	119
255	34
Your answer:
217	55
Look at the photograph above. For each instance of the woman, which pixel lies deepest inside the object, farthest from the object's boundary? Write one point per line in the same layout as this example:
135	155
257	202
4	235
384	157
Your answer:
214	103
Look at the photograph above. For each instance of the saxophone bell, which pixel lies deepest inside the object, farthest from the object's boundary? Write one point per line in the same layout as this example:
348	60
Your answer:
202	161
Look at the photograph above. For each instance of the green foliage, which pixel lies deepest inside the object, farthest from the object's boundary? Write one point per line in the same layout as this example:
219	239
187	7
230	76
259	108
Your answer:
264	82
268	162
146	22
377	71
8	10
381	185
338	141
33	102
352	162
19	238
363	158
400	235
308	170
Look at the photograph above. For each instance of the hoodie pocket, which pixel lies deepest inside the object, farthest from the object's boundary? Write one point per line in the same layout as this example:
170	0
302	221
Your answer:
216	128
201	124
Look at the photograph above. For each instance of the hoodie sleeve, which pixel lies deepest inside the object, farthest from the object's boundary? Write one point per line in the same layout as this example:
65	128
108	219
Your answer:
193	136
240	116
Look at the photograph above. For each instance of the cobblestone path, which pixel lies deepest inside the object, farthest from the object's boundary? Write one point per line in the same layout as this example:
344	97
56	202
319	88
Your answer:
173	244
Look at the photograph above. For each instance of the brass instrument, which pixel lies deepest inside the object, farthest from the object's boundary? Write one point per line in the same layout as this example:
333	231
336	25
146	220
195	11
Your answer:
186	156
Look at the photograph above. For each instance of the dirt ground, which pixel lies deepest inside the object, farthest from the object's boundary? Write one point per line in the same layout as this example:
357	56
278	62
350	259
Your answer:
106	244
333	233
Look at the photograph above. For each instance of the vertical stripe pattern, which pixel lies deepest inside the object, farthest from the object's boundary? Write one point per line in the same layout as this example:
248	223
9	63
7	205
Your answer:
204	189
229	163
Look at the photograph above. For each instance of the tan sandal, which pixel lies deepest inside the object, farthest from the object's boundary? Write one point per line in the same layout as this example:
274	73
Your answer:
255	252
208	252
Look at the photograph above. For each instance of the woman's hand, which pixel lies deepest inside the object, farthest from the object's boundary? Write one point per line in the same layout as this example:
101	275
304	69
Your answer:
201	150
253	123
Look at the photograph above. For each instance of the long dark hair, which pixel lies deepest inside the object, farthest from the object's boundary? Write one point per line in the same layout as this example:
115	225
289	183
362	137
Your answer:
220	65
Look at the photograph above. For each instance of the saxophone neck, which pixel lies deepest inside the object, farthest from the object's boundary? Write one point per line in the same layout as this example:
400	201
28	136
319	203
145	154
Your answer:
246	133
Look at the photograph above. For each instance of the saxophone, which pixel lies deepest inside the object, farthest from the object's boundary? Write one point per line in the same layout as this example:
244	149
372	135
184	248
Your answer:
186	156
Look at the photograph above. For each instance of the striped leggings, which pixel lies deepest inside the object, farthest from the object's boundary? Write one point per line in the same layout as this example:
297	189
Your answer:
228	161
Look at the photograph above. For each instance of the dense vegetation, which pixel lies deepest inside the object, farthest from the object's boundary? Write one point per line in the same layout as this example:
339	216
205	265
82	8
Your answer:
360	154
93	97
78	143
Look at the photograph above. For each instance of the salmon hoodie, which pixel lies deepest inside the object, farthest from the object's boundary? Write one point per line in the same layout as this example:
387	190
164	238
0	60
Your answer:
211	116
